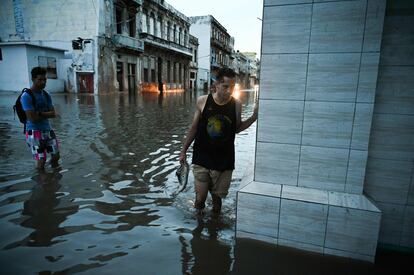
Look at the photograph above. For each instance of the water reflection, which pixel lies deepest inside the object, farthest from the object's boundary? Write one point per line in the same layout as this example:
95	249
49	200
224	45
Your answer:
206	253
113	207
43	212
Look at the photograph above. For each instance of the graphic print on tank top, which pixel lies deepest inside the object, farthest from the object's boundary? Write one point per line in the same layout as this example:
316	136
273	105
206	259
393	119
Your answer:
219	128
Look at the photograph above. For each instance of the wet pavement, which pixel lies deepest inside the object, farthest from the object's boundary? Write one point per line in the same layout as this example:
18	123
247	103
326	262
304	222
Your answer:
113	207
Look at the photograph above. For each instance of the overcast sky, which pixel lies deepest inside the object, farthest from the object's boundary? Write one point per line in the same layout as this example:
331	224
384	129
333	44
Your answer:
239	17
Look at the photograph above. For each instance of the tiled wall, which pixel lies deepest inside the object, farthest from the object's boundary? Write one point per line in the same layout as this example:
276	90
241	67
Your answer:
327	222
319	74
390	168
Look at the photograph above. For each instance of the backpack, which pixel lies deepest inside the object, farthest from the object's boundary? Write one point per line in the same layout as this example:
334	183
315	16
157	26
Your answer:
18	108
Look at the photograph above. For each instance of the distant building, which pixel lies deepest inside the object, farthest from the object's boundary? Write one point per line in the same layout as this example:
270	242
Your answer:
194	62
254	66
100	38
17	60
167	55
214	50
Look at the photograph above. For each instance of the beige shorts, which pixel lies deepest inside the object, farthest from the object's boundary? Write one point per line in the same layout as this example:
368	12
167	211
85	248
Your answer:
218	181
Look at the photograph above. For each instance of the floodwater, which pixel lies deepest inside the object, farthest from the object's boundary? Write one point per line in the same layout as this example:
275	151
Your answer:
112	207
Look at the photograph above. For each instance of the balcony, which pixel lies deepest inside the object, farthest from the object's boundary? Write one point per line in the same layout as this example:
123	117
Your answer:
221	45
128	43
165	44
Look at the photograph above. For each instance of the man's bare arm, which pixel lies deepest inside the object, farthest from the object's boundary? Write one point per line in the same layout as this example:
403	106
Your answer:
38	116
201	101
243	125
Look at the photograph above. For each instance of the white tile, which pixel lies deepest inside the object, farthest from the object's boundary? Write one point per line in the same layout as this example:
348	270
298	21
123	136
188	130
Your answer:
302	222
368	76
253	236
285	2
262	188
353	201
407	235
283	76
356	171
333	77
362	125
323	168
351	230
387	180
286	29
280	121
374	25
338	26
258	214
277	163
392	137
410	200
328	124
346	254
395	92
397	37
392	219
305	194
301	246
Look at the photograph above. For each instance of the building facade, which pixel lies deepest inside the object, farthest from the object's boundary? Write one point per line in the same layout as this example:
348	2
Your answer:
214	50
194	62
100	39
167	55
18	58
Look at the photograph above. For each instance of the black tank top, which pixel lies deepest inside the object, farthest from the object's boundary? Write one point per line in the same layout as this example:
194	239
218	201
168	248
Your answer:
214	140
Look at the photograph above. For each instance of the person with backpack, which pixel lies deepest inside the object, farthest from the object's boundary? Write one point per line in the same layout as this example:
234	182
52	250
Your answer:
38	108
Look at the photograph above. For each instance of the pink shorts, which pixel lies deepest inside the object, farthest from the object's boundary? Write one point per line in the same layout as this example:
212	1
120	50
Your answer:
41	143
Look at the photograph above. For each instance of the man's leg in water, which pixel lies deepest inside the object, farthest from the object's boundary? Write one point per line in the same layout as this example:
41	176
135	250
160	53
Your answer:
201	186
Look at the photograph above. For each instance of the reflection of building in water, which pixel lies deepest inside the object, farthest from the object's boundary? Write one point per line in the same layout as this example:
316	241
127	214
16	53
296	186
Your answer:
167	55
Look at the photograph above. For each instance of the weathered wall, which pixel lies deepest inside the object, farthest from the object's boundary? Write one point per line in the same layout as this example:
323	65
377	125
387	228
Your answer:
14	61
202	30
390	167
67	21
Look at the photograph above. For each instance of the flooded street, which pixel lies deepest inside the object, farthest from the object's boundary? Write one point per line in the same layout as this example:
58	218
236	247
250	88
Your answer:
113	208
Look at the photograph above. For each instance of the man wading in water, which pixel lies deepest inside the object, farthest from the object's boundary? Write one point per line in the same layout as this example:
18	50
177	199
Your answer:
216	121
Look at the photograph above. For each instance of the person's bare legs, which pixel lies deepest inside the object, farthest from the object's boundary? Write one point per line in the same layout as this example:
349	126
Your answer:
216	204
40	164
54	162
201	190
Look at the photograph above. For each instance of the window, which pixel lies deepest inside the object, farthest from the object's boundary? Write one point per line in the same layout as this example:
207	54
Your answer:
168	71
132	24
192	75
145	59
50	64
118	19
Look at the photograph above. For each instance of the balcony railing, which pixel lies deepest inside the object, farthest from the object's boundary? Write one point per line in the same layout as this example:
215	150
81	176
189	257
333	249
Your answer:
169	45
220	44
128	42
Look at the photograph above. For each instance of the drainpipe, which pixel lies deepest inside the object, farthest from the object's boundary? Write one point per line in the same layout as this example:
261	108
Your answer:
18	18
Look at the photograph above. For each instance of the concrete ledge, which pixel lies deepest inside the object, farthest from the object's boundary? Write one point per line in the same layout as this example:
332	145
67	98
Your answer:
321	221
